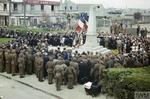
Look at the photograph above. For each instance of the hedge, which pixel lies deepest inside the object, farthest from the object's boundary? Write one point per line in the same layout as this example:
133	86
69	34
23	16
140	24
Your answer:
5	40
123	82
23	30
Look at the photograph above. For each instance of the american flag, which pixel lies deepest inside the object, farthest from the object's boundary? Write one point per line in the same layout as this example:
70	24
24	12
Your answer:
82	22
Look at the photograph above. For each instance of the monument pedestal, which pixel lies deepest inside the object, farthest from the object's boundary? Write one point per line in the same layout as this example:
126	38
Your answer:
92	45
91	41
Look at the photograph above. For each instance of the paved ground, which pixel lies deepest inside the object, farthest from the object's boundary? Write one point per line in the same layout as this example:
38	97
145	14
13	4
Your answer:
30	88
10	89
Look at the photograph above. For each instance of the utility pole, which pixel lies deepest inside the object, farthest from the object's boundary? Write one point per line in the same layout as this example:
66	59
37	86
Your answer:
9	12
24	5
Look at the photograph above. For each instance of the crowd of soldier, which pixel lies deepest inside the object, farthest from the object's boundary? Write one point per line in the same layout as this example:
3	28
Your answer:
125	43
53	65
29	54
64	67
134	48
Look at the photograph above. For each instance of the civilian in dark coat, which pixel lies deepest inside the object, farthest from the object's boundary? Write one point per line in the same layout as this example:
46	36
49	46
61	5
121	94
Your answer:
84	72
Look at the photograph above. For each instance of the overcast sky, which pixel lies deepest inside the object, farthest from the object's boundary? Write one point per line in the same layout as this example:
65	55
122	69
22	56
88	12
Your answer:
118	3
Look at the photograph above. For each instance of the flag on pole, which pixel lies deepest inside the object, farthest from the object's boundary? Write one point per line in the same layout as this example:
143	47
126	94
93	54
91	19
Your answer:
82	22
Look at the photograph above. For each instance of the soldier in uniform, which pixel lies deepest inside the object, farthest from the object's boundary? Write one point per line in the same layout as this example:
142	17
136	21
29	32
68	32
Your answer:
110	62
50	68
21	64
101	70
70	72
1	61
75	65
93	61
8	61
39	67
64	67
13	62
58	74
29	59
36	55
96	71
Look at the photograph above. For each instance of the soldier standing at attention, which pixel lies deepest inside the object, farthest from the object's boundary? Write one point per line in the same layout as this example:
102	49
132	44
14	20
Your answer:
75	65
50	68
1	61
58	74
8	61
39	67
70	72
29	59
95	72
63	67
13	62
36	55
21	64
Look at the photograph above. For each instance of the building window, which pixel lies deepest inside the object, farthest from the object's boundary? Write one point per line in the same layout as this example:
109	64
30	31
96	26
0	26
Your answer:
15	6
5	7
42	7
70	7
65	8
35	22
13	21
52	7
32	7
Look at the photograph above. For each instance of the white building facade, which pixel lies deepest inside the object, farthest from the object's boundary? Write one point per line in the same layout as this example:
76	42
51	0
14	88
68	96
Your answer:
4	12
34	12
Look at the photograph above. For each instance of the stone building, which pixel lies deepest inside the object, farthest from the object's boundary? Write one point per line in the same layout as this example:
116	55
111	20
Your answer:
4	12
33	11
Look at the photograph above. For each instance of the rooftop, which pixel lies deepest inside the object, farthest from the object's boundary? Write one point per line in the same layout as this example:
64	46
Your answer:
48	2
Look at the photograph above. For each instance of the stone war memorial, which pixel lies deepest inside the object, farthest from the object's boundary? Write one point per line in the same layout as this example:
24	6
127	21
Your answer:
92	43
74	49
